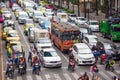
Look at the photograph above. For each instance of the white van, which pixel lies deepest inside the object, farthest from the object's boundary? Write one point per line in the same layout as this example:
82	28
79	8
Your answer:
63	17
22	16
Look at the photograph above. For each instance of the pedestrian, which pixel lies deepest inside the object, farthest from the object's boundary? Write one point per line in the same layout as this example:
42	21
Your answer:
94	48
96	55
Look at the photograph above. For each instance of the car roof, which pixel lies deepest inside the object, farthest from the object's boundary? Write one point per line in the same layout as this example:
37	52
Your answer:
92	21
12	31
90	36
48	49
81	45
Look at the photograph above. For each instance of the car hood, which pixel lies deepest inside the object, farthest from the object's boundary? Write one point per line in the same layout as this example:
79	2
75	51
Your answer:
95	26
85	55
57	58
7	15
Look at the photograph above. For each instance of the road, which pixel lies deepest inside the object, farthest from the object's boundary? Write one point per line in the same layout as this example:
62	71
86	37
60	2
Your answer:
55	73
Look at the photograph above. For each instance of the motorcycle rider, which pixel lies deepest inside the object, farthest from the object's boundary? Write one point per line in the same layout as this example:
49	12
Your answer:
111	63
71	59
96	55
36	60
9	65
84	77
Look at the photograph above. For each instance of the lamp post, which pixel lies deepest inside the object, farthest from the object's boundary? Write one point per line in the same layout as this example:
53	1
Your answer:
84	9
96	7
78	8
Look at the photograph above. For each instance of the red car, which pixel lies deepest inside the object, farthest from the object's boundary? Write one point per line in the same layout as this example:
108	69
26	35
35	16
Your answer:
1	18
49	6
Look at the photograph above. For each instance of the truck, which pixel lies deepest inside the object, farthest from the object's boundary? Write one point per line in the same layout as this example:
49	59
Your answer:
110	30
35	33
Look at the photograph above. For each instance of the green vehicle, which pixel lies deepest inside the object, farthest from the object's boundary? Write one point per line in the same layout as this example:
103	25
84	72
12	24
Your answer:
111	31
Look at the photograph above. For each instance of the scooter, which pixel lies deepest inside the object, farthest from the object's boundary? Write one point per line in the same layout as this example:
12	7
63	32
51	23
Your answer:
72	65
21	69
37	68
11	72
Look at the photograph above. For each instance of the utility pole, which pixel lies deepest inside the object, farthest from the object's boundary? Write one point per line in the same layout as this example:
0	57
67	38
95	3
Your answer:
88	9
96	7
84	9
78	8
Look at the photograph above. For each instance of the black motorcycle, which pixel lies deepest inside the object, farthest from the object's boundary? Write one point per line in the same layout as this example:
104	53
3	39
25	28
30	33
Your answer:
21	69
10	72
37	68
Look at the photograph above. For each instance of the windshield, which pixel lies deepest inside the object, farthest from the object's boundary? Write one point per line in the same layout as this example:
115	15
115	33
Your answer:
94	23
13	35
23	16
73	15
38	14
107	46
92	40
116	29
84	51
50	54
29	21
63	16
44	41
81	19
6	12
6	29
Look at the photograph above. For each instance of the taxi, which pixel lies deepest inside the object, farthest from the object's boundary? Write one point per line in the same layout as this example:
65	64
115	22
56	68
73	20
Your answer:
28	23
43	3
3	9
5	30
12	35
16	13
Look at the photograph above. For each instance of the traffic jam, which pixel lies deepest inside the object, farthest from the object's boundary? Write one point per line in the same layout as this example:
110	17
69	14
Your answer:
41	39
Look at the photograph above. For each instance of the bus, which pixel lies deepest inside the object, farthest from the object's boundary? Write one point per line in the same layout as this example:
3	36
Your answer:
11	2
64	35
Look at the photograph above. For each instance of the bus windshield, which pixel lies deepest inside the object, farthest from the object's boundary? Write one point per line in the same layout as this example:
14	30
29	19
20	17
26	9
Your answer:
116	29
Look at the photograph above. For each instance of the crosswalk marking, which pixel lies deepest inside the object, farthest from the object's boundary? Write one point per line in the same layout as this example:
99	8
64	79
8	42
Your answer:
29	77
111	73
67	77
104	75
38	77
9	78
47	76
75	75
57	76
118	71
19	78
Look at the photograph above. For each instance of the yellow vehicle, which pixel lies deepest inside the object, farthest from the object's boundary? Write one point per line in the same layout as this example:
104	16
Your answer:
12	35
5	30
15	48
16	13
28	23
43	3
3	9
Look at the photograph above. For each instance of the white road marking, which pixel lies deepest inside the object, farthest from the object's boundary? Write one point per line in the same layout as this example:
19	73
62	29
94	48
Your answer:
57	76
29	77
38	77
104	75
47	77
67	77
19	78
76	76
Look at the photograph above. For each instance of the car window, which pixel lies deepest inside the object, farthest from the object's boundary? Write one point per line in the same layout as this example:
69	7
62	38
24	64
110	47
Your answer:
107	46
50	54
84	51
12	35
86	39
75	48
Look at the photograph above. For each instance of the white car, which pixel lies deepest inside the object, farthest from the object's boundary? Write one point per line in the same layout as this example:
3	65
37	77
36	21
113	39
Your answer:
15	6
7	14
43	43
37	15
72	17
80	20
90	40
49	14
22	16
50	58
83	54
94	25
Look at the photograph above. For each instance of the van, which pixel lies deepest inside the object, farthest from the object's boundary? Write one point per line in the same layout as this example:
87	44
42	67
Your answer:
22	16
63	17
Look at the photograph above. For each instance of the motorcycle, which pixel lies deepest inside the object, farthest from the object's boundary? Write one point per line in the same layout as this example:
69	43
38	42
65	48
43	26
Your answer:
21	69
72	65
11	72
37	68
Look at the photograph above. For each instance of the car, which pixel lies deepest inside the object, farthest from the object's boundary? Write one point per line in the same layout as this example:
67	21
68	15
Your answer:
62	16
49	6
49	14
43	43
22	16
93	24
46	24
50	58
71	22
72	16
109	48
41	20
84	30
3	9
28	23
37	15
30	13
15	6
90	40
7	14
12	35
80	20
1	18
5	30
17	11
82	54
8	23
